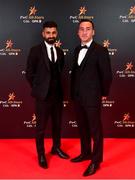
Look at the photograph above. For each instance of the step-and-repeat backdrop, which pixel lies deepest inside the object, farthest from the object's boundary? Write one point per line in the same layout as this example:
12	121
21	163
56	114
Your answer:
20	29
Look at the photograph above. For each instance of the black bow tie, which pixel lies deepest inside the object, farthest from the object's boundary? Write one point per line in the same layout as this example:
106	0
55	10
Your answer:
85	47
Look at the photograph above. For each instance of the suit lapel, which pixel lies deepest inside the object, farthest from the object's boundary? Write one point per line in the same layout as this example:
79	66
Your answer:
58	58
90	50
57	51
76	53
45	55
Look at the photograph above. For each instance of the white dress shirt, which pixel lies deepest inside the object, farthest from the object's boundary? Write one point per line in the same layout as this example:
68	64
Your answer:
83	52
48	47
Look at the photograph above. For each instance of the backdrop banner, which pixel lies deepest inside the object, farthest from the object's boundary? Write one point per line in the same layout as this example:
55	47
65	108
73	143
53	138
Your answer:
20	29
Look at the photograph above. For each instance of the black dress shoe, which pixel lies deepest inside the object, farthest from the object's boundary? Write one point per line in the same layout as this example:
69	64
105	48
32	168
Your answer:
42	161
92	168
81	158
60	153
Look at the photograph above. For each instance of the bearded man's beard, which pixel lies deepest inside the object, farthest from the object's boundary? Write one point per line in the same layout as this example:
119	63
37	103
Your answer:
50	40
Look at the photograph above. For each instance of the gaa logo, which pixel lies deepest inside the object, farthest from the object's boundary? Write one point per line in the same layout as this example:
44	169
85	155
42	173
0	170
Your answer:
128	72
132	10
81	15
129	66
130	17
58	44
32	11
32	122
32	17
11	102
9	50
125	122
106	44
107	103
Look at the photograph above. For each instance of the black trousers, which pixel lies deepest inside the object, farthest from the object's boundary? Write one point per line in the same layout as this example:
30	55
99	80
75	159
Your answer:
44	110
90	130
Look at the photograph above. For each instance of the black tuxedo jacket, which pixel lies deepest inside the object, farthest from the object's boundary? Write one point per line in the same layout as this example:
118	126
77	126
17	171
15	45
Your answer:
38	71
95	75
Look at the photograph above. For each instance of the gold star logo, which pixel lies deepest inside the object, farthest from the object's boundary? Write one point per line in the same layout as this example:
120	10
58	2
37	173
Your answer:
106	43
9	44
132	10
11	96
65	103
82	11
58	43
32	10
33	119
129	66
104	98
126	117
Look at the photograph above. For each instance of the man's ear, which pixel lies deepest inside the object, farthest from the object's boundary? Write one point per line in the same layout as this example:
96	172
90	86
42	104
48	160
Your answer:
93	32
42	33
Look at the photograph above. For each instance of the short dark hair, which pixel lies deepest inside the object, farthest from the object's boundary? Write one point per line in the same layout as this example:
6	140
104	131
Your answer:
49	24
87	20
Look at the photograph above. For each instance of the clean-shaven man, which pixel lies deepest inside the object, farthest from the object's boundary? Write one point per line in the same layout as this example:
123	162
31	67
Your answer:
91	78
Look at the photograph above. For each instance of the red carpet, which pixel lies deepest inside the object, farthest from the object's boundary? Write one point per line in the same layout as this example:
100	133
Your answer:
18	160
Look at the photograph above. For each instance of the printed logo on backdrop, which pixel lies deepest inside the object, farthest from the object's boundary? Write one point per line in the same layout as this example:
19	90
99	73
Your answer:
23	72
32	16
31	123
107	44
129	17
107	102
82	14
9	49
128	71
65	103
11	102
126	121
59	44
73	124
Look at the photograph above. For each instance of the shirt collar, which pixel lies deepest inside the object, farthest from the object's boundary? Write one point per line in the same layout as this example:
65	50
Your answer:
88	43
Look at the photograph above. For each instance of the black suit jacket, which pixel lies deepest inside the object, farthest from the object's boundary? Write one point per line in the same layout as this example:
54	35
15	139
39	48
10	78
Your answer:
38	71
95	75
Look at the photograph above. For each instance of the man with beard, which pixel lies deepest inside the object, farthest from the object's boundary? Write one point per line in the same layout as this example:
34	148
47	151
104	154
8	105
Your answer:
43	72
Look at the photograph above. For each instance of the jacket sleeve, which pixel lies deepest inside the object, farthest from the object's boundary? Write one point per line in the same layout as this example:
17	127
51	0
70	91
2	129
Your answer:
31	66
105	71
74	58
62	61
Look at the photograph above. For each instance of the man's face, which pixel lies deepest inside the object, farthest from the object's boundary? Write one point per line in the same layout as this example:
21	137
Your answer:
50	34
85	32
